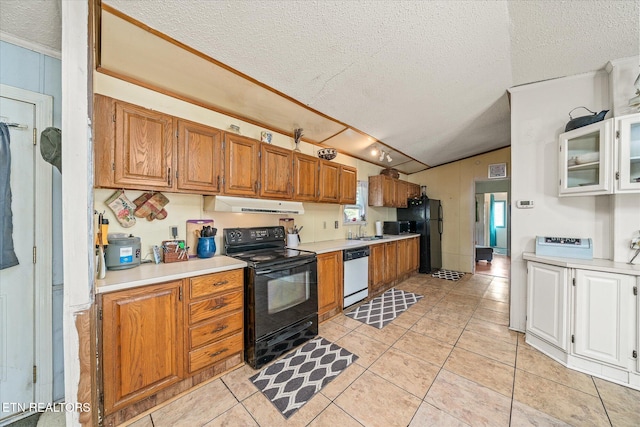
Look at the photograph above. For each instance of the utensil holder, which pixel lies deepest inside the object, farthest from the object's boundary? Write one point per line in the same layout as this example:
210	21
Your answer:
293	240
174	251
206	247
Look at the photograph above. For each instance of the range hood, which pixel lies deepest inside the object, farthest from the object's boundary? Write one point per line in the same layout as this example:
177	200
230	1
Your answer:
246	205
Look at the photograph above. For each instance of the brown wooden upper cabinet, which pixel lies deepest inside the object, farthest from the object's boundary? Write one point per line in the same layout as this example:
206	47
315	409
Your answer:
390	192
348	184
199	158
241	166
276	172
401	193
140	148
306	186
329	185
413	190
135	147
382	191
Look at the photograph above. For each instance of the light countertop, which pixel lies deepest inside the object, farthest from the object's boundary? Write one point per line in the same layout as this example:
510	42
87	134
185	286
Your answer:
340	244
151	273
596	264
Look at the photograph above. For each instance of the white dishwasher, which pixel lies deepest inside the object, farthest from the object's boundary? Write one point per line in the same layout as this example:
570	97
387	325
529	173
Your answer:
356	275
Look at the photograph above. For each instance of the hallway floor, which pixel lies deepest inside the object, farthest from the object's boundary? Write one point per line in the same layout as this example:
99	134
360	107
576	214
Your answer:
449	360
500	266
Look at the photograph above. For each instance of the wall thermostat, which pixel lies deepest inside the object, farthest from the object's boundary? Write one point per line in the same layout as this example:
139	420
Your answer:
524	204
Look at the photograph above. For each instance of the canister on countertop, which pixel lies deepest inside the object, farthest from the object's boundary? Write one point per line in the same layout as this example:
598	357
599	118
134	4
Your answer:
123	252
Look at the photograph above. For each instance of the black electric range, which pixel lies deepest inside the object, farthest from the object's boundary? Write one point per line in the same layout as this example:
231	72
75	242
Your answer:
281	292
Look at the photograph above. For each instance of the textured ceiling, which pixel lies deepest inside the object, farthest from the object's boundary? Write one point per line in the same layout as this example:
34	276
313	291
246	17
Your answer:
428	78
36	21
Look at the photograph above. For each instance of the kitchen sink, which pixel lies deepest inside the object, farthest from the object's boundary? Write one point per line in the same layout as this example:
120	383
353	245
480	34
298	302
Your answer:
367	238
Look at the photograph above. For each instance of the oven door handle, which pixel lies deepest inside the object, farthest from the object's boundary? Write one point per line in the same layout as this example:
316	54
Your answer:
285	266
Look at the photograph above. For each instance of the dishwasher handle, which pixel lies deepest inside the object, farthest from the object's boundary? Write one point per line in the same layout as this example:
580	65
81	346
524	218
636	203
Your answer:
355	253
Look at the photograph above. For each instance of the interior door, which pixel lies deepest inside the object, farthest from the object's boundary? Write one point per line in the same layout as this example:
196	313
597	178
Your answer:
17	283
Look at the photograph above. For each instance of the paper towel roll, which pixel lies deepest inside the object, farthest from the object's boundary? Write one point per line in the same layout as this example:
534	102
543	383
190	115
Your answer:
378	228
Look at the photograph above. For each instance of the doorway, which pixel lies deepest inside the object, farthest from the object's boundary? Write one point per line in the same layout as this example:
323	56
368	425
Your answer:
26	373
492	228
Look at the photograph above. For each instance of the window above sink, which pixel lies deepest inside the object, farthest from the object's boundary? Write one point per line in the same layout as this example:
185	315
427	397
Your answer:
356	214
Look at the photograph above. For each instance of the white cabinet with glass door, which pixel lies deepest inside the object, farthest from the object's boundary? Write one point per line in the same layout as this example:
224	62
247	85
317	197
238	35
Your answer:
585	160
628	153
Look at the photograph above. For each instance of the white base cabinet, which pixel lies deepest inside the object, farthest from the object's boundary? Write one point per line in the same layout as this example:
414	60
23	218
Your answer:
586	318
547	313
604	317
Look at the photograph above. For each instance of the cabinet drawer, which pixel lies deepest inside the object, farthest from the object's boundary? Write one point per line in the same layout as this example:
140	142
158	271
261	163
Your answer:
209	284
219	305
211	331
215	352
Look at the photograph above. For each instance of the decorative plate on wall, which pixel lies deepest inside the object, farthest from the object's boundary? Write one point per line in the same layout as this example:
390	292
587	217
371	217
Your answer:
327	153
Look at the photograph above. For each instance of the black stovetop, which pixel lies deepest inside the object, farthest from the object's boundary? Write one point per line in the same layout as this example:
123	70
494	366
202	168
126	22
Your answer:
261	246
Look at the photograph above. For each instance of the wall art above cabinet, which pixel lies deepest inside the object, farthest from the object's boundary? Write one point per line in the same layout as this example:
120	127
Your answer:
601	158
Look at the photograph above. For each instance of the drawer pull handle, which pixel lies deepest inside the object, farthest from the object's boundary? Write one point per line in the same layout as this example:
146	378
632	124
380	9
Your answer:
223	282
218	306
221	328
217	353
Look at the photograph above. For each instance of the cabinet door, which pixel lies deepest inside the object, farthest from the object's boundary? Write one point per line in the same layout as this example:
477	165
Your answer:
403	255
414	254
628	153
377	266
103	141
585	160
329	182
382	191
305	177
390	260
199	158
604	311
329	282
402	191
144	148
413	190
276	166
547	303
141	343
241	165
348	184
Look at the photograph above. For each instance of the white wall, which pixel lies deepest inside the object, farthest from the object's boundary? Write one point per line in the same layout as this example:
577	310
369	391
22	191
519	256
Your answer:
34	71
538	116
182	207
454	185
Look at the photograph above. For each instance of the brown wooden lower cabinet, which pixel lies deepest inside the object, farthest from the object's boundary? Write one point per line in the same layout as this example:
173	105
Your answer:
377	266
142	349
329	284
390	260
160	340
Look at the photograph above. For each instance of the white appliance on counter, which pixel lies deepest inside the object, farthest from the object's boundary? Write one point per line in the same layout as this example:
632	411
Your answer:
356	275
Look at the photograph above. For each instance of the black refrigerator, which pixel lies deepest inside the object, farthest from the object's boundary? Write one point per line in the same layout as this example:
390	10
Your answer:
425	215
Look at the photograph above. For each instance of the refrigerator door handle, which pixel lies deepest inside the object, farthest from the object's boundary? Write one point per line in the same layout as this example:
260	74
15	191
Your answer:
440	219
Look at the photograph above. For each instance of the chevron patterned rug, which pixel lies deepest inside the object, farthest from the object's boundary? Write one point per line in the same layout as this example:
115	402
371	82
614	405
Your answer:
292	381
383	309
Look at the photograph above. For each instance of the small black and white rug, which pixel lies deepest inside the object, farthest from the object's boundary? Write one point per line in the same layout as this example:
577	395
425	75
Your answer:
383	309
448	275
292	381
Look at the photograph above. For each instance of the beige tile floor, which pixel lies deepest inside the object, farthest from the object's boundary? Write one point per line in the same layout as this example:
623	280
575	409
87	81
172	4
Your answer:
450	360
